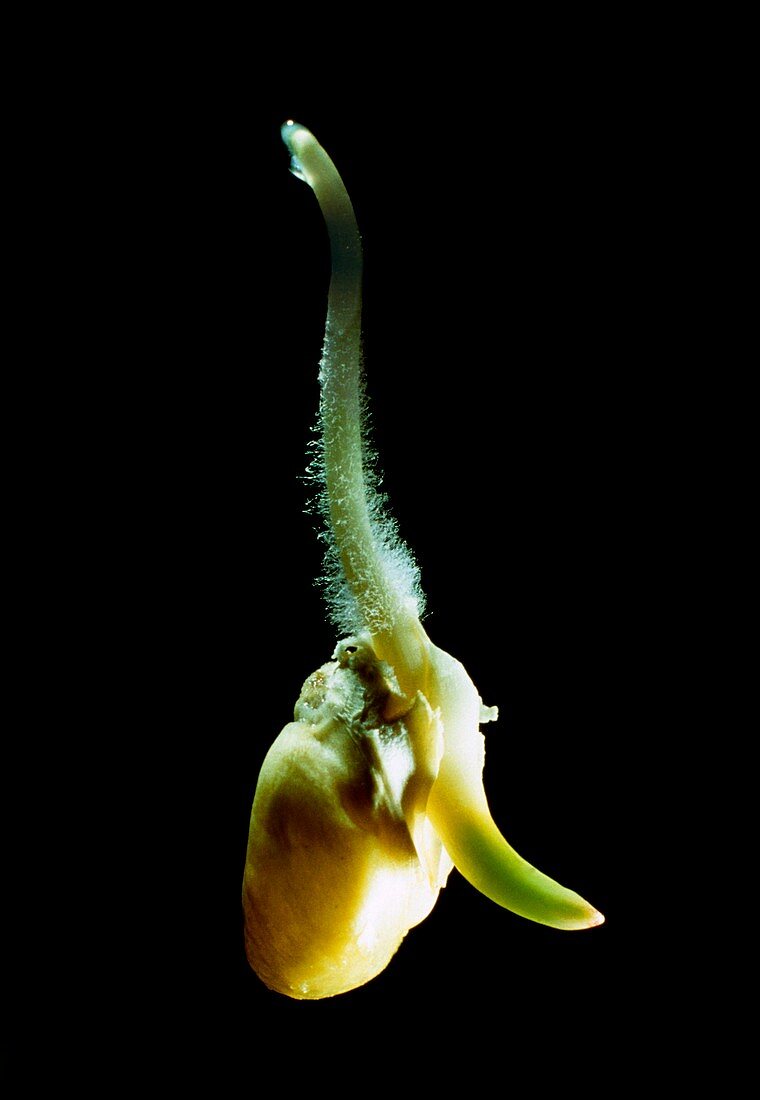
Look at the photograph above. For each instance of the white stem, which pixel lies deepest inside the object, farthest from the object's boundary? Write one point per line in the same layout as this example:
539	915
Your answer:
383	595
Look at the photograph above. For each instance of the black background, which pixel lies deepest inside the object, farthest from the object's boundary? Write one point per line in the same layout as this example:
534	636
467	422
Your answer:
508	323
